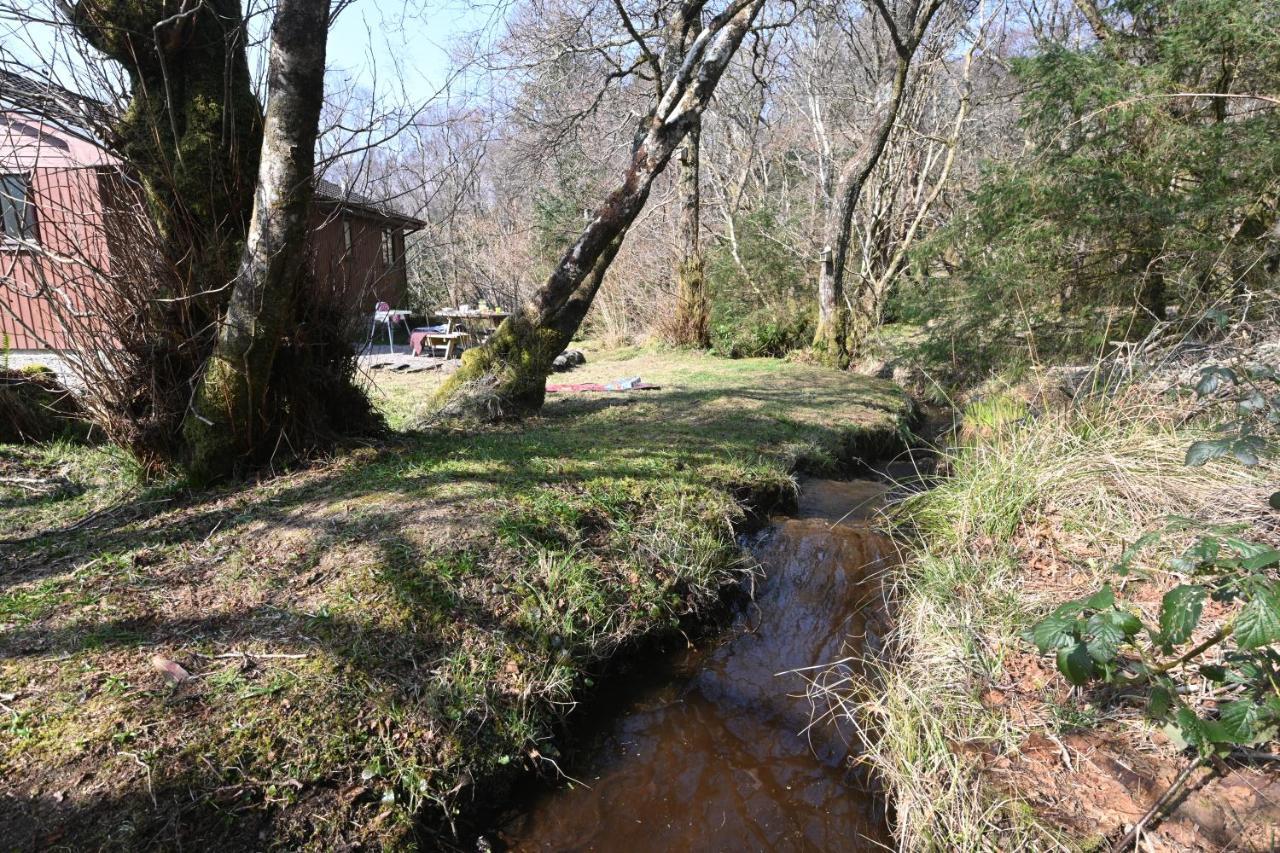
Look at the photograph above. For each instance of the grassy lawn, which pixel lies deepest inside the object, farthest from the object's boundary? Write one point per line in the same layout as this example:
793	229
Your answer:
378	643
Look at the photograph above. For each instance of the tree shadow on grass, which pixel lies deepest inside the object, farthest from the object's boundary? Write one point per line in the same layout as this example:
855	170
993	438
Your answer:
410	467
382	666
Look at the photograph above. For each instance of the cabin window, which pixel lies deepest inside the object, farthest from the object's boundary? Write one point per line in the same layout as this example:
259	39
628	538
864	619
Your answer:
397	248
17	210
346	233
388	249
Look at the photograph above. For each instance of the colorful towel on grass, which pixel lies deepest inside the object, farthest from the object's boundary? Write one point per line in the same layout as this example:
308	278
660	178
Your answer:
631	383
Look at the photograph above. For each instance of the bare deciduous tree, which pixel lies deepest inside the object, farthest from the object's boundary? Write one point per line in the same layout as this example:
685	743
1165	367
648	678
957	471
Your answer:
506	376
907	26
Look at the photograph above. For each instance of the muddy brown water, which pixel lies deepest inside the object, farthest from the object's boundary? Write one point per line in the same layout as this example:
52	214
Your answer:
719	754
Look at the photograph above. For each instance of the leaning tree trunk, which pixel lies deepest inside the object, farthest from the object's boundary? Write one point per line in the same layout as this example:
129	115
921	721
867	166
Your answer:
228	417
836	337
506	377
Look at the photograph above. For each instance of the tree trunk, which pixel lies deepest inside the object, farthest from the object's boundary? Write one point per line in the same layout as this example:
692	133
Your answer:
191	133
228	418
693	310
836	338
506	377
692	321
191	138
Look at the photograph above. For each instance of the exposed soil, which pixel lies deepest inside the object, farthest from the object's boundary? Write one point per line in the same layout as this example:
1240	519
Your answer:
1092	765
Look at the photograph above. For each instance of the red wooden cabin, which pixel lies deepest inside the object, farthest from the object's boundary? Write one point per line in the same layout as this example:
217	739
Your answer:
55	188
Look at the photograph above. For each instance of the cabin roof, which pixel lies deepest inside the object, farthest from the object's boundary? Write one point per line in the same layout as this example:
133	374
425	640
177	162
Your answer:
329	193
43	124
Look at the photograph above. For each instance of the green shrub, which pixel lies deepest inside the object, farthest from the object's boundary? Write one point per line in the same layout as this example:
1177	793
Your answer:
762	332
762	300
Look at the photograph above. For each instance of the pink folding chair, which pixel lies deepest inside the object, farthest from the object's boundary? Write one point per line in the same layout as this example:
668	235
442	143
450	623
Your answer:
383	315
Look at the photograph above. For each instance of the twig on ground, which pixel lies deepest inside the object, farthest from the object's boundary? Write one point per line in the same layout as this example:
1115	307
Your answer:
84	522
1131	837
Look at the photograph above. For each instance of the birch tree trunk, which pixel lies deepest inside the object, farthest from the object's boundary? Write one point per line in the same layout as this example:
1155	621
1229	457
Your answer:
507	376
834	336
227	420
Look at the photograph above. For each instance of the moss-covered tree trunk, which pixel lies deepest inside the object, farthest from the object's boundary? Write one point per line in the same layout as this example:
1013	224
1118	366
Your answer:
229	417
834	342
505	377
191	133
190	136
693	310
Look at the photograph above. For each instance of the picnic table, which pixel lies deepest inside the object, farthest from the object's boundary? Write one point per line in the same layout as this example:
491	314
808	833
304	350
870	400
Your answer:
451	336
454	316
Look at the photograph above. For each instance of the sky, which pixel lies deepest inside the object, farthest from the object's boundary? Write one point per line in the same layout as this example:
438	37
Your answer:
378	41
375	43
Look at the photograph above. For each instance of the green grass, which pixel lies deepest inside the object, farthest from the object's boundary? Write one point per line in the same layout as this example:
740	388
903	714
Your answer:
381	641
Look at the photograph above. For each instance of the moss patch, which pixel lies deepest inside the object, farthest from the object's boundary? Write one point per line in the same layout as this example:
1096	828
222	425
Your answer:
378	643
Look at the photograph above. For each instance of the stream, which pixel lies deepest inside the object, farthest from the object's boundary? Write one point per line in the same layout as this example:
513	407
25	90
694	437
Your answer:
716	751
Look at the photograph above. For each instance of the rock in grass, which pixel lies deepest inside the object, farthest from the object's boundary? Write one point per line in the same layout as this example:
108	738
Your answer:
173	671
568	360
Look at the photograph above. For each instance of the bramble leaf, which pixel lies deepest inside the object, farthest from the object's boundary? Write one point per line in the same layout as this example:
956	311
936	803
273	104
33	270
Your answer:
1266	557
1126	559
1102	599
1191	727
1201	452
1239	720
1108	629
1212	378
1251	403
1056	630
1245	452
1159	702
1274	500
1204	551
1214	673
1259	621
1076	664
1179	612
1128	623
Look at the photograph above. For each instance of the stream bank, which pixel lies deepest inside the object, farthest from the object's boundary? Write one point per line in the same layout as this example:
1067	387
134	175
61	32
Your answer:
718	746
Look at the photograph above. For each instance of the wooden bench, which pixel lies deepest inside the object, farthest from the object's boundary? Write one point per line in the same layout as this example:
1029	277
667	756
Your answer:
445	341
